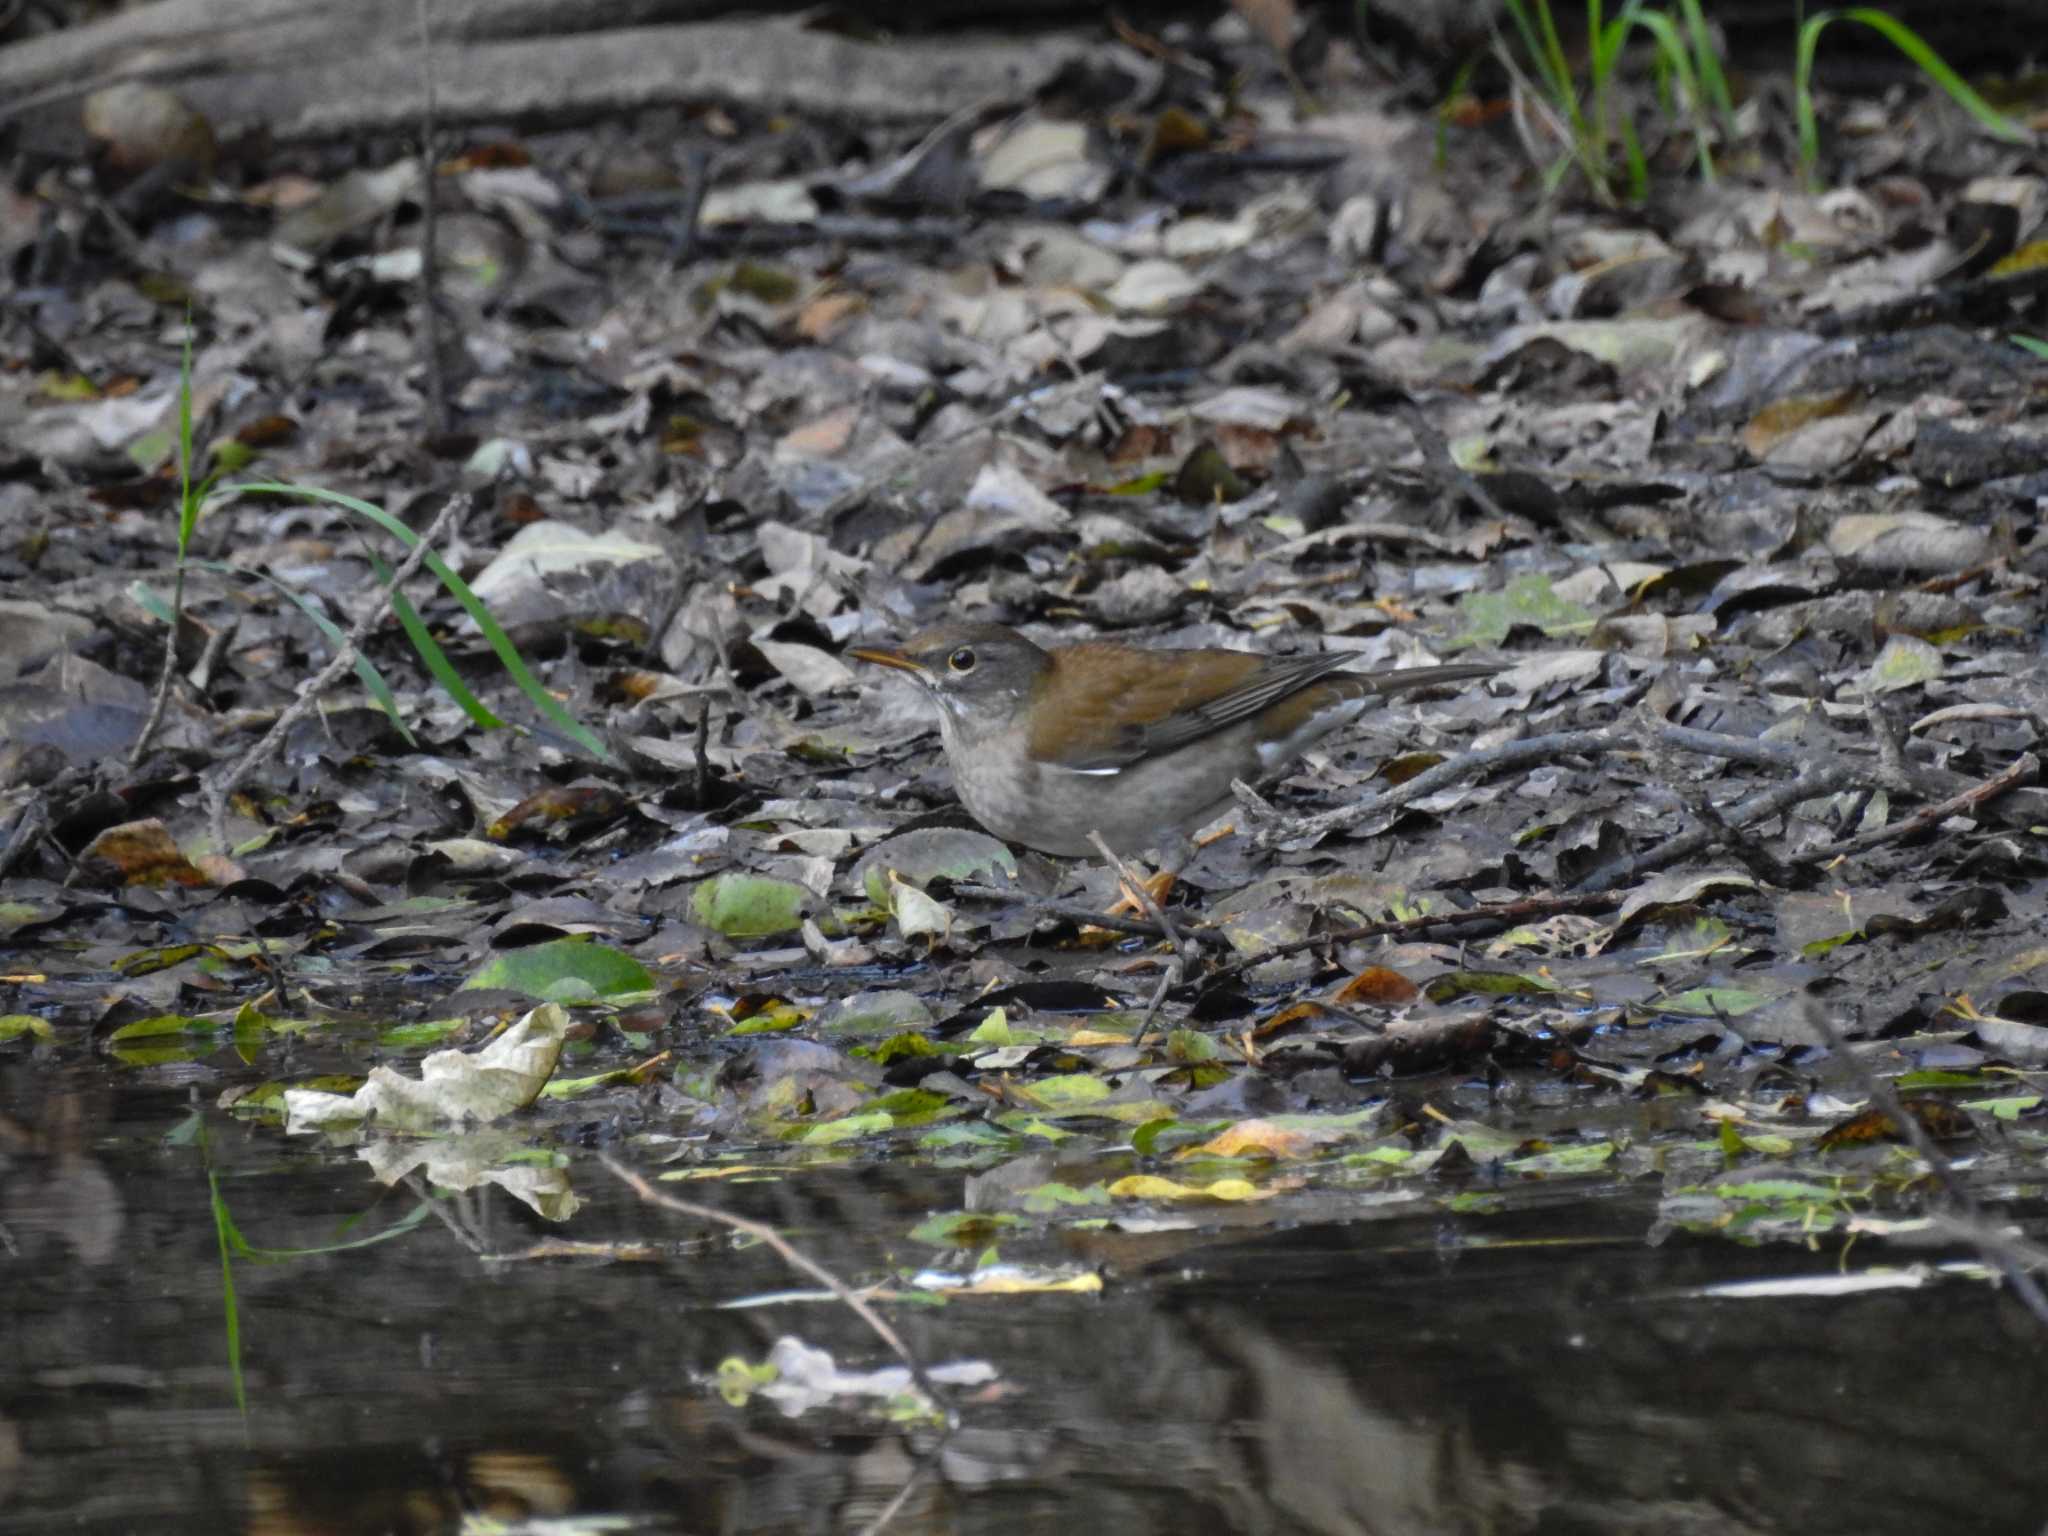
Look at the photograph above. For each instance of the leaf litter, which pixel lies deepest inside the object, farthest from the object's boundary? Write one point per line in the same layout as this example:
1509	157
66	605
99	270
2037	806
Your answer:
1768	578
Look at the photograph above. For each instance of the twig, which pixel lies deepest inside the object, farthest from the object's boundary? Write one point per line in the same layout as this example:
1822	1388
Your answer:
683	245
1891	752
1448	474
826	229
1138	891
1896	773
2022	770
2017	1275
1425	926
1309	831
797	1260
17	312
444	1213
216	647
1764	864
344	657
1598	890
1736	749
430	284
1824	780
897	469
1821	779
1071	911
703	781
160	697
33	822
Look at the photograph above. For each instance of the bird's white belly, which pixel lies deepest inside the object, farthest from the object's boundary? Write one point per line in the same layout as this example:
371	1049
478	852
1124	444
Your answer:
1054	809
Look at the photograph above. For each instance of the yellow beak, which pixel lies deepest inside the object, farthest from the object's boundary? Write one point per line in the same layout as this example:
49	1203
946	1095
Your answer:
896	659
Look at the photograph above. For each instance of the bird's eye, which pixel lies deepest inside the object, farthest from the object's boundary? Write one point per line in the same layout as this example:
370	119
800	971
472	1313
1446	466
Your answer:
962	660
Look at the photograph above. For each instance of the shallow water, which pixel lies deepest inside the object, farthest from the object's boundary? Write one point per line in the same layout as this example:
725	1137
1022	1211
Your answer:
1362	1365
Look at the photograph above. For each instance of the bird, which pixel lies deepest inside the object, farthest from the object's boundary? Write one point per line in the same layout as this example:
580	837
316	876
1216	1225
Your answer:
1136	744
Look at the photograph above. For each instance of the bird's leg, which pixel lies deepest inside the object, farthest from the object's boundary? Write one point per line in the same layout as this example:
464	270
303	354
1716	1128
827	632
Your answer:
1135	889
1175	855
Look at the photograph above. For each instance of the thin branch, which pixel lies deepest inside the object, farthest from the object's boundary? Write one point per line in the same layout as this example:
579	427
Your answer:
1434	925
344	657
430	282
1824	780
1449	475
2022	770
1971	1218
798	1260
1311	830
687	234
1076	912
1184	953
160	697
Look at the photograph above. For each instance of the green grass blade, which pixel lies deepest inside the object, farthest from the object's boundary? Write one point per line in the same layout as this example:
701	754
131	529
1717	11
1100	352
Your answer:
398	1228
493	633
1908	42
1538	60
1554	84
366	670
188	504
1671	50
229	1239
2033	344
1929	63
1460	82
433	657
1560	67
1600	75
1707	64
1638	166
1802	95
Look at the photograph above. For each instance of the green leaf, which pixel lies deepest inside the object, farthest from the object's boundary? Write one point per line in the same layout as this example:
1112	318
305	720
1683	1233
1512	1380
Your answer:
165	1025
743	906
1063	1094
1486	617
2010	1108
15	1025
401	1037
1579	1159
1707	1002
993	1030
1779	1192
963	1229
1047	1198
567	971
1455	984
1145	1140
932	853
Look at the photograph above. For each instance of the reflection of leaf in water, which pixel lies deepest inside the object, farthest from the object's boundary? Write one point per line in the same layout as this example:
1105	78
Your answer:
476	1159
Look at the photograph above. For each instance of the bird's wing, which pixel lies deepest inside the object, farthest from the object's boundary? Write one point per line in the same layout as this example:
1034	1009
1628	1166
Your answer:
1114	706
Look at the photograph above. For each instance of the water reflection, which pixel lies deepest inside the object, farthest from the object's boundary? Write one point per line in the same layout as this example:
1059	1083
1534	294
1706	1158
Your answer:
1537	1371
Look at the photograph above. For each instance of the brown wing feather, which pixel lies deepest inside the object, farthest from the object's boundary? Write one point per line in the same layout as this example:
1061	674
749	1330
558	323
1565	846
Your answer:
1115	705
